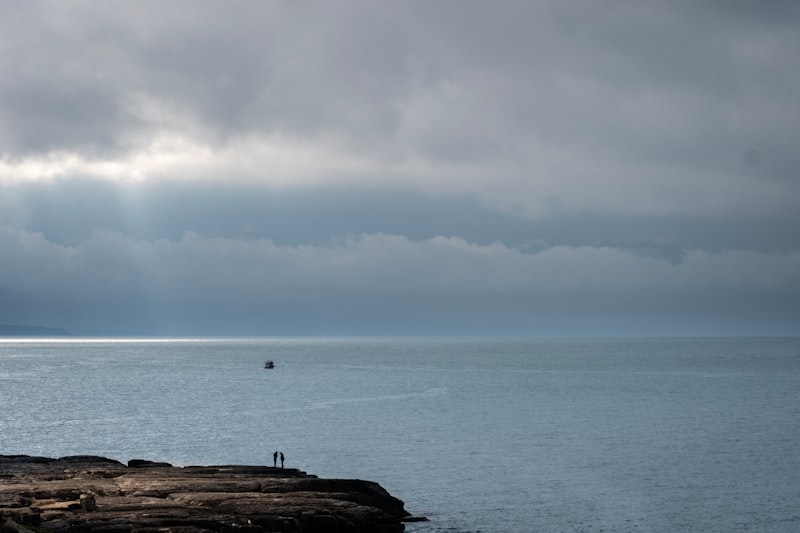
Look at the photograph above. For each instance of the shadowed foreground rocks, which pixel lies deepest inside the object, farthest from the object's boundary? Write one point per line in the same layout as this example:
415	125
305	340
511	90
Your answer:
94	495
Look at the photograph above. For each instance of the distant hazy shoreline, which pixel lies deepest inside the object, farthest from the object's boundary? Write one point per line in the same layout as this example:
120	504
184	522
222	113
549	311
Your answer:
15	330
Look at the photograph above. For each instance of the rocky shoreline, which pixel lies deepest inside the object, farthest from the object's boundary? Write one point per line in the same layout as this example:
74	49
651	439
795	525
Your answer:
98	495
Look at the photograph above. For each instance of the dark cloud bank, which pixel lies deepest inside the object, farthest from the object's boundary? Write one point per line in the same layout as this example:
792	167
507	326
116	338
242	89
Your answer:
204	260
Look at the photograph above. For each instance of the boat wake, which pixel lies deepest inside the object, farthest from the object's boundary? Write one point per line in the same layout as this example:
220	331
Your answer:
335	402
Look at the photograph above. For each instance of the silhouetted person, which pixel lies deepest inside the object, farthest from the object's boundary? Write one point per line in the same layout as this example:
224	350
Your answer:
275	459
281	459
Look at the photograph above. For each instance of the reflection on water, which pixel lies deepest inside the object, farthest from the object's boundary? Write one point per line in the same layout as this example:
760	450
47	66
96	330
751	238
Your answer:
478	434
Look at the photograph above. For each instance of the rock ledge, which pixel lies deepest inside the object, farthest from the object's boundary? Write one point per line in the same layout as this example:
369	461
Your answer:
98	495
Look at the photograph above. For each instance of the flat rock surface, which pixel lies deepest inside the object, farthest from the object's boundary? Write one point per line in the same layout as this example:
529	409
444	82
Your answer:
94	494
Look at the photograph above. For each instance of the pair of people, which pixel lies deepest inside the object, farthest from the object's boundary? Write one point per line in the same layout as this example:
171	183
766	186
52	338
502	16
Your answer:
275	459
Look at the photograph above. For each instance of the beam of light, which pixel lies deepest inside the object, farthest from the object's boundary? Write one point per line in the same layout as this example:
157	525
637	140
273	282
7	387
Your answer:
273	161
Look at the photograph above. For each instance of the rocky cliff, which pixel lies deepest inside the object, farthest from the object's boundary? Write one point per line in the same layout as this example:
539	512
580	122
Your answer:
94	495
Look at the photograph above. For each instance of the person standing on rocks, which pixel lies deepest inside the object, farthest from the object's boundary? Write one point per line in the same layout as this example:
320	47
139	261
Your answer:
275	459
281	459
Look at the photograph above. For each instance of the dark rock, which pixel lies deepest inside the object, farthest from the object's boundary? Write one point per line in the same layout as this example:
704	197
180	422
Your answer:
93	495
142	463
88	460
23	460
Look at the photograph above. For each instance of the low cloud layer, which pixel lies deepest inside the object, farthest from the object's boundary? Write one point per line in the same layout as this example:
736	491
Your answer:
374	262
449	166
182	282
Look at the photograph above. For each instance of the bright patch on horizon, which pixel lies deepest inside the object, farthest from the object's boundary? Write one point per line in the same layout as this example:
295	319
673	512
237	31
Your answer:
273	161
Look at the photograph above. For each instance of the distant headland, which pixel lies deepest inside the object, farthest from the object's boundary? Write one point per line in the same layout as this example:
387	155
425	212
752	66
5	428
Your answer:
16	330
94	494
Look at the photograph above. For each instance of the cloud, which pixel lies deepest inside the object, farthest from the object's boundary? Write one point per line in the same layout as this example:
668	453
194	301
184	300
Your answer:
109	264
157	159
532	108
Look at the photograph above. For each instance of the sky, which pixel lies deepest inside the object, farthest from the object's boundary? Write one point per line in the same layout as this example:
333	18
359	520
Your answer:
359	167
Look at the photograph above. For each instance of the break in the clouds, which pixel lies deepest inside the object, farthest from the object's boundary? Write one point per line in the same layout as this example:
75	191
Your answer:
356	167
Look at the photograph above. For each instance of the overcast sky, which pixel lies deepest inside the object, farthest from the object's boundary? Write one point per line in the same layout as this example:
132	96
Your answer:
423	167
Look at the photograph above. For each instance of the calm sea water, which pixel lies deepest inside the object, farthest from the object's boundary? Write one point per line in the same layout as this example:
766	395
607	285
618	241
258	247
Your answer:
490	435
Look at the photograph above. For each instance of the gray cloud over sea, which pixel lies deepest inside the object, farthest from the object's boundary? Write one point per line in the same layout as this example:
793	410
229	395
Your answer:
267	168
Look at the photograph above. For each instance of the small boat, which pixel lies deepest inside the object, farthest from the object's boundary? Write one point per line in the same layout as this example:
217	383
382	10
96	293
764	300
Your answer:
269	364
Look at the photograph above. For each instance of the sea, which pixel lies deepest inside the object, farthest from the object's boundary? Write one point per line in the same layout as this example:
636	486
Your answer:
477	434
